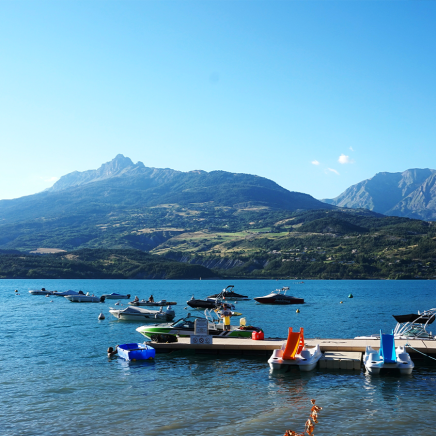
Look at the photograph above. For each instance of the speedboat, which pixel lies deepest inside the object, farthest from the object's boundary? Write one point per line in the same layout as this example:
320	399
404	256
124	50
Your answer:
228	294
84	298
279	297
152	303
136	351
388	357
294	353
411	326
63	294
41	291
207	303
131	313
115	296
184	327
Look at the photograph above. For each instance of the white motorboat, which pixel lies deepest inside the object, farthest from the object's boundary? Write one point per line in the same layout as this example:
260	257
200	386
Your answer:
294	353
387	357
152	303
63	294
279	297
115	296
411	326
84	298
41	291
141	314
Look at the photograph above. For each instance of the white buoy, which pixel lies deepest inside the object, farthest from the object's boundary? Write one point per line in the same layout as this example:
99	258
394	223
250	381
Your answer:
101	316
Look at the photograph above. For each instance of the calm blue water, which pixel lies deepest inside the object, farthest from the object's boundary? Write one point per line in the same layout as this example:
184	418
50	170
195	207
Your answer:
56	379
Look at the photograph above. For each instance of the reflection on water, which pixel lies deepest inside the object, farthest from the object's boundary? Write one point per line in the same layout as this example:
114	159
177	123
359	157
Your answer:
56	378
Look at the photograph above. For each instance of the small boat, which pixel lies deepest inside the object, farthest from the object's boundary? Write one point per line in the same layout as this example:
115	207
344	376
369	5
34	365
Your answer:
84	298
115	296
228	294
132	313
279	297
411	326
294	353
184	327
136	352
388	357
152	303
41	291
63	294
207	303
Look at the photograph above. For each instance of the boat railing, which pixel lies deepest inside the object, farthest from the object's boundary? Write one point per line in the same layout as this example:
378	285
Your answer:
417	328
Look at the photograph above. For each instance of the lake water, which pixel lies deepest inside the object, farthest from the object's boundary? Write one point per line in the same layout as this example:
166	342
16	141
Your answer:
56	379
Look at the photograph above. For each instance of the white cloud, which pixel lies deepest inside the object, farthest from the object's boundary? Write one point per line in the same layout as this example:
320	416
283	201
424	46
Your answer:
333	171
51	179
351	148
343	159
315	162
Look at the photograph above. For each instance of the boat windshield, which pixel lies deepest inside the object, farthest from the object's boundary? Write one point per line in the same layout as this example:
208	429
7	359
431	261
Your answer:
187	322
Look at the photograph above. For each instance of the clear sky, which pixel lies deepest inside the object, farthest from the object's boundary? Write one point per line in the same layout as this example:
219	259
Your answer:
315	95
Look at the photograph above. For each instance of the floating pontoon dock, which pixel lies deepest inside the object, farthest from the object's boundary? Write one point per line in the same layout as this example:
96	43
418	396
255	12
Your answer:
265	347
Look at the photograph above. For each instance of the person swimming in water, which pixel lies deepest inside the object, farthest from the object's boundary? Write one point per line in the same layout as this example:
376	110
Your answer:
111	352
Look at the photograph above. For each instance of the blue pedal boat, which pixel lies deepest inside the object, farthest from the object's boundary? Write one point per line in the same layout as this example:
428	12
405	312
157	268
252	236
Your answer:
136	352
387	357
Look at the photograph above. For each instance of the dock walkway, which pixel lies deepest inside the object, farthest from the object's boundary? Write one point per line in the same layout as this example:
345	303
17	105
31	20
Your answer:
265	347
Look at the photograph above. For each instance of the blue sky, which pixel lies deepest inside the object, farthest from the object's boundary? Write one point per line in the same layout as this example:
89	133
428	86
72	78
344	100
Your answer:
315	95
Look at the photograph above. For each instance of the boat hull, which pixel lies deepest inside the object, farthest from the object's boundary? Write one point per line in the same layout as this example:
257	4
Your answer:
202	304
151	332
375	364
154	304
84	299
135	351
279	300
158	317
308	363
116	297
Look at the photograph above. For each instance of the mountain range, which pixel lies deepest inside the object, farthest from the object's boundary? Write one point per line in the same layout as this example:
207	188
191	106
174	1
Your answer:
99	223
116	205
410	194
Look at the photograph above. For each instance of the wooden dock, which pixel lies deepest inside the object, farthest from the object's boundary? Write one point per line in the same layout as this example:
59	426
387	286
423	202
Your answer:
265	347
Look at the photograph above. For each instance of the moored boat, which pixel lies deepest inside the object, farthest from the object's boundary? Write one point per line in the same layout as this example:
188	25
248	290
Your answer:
141	314
228	294
184	327
64	293
411	326
152	303
115	296
41	291
387	357
279	297
84	298
136	351
294	353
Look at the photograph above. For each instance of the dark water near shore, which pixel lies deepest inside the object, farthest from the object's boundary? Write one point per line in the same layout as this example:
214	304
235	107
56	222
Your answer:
55	377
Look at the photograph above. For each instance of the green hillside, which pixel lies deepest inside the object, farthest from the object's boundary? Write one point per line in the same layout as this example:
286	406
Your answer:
97	264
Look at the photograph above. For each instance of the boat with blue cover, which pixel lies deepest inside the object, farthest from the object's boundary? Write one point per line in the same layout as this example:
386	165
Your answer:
136	351
387	357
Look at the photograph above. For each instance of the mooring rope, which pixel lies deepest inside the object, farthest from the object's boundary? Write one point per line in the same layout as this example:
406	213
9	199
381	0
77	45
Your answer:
408	345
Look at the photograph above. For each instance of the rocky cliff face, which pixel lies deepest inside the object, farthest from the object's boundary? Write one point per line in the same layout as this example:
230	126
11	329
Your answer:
410	194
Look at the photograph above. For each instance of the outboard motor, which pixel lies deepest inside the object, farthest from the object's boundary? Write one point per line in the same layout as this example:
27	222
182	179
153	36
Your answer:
170	314
102	298
128	296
